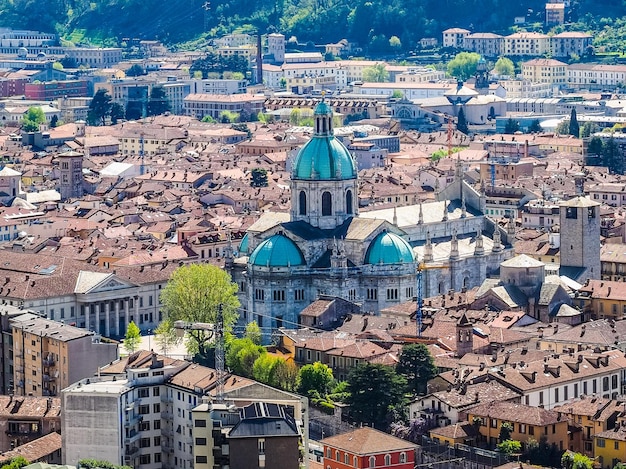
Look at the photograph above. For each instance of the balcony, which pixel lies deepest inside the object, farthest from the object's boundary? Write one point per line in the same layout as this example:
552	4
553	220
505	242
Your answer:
132	420
132	437
167	447
49	377
131	450
166	399
168	432
166	415
48	361
131	405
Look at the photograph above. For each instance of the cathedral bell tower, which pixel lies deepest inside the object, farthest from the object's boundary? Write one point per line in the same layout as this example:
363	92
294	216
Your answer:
324	177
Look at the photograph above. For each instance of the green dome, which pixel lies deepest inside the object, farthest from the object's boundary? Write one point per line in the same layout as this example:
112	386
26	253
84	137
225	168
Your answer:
324	157
243	245
322	108
389	248
277	251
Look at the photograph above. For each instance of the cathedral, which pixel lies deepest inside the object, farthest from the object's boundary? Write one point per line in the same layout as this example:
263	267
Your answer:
324	246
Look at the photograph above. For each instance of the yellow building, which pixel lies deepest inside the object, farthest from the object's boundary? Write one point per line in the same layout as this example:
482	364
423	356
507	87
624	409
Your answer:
462	432
609	446
549	71
527	423
603	299
49	356
592	415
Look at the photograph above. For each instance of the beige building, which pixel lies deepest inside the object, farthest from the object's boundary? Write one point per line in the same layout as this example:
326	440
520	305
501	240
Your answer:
570	42
454	37
595	75
213	105
555	13
486	44
49	355
548	71
526	44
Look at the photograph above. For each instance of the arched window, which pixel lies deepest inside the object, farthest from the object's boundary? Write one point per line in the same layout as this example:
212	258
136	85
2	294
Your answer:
327	204
402	457
337	455
349	202
355	461
302	203
387	460
372	461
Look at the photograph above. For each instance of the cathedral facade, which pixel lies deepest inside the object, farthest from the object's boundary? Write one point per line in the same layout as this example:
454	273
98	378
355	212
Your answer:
324	246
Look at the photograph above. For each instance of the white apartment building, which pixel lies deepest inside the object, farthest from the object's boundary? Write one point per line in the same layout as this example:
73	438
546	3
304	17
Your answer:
595	75
486	44
526	44
410	91
95	57
454	37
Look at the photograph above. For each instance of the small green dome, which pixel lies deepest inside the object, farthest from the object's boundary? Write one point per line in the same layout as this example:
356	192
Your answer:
324	157
389	248
277	251
322	108
244	244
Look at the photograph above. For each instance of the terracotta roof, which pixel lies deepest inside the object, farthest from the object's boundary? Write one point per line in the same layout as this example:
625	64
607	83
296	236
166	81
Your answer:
456	430
36	449
363	441
516	413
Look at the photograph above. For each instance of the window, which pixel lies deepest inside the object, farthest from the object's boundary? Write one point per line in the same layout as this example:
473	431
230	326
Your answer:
349	202
200	441
571	213
346	458
156	408
143	392
144	459
372	294
144	443
337	455
302	203
387	460
522	428
144	426
392	293
261	444
144	409
616	445
327	204
372	461
531	430
402	457
201	459
156	391
279	295
200	423
601	442
605	383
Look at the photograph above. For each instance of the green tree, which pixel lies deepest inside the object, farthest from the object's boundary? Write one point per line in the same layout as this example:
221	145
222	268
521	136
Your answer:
574	127
135	70
463	66
68	62
376	74
461	123
416	364
315	377
504	66
509	447
534	127
15	463
228	117
294	116
33	118
397	94
132	339
588	129
282	82
117	112
595	147
98	464
158	103
611	156
99	108
563	127
253	332
572	460
194	294
57	66
375	392
511	126
394	43
208	119
259	177
241	355
505	431
166	336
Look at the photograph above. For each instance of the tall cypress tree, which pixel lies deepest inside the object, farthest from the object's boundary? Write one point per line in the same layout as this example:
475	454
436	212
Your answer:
461	124
574	128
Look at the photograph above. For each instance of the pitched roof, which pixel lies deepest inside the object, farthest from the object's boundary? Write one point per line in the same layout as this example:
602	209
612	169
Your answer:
363	441
516	413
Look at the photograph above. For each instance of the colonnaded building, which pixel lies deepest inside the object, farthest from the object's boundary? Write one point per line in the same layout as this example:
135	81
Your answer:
324	246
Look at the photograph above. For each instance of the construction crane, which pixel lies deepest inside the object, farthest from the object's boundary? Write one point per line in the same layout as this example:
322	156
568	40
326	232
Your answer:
217	334
421	267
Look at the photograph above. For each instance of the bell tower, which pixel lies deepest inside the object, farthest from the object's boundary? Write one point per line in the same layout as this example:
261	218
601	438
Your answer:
324	177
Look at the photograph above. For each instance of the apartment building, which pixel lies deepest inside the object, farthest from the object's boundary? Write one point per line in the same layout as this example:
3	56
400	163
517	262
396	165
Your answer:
140	411
49	355
526	44
95	57
485	44
555	14
596	76
550	71
25	419
569	43
199	105
454	37
609	193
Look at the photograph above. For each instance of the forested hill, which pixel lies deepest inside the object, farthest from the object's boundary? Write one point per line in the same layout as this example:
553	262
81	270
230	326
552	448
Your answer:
368	22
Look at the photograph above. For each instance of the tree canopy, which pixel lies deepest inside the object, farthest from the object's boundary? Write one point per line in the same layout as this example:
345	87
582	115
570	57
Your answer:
32	119
375	392
463	66
315	377
504	66
132	338
194	294
157	102
99	108
574	127
377	73
418	367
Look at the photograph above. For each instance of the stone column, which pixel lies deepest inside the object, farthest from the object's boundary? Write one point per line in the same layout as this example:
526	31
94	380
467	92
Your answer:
126	315
87	309
107	319
136	315
97	326
116	324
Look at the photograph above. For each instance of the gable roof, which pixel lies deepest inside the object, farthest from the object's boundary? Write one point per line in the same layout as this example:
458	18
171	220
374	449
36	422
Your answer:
364	441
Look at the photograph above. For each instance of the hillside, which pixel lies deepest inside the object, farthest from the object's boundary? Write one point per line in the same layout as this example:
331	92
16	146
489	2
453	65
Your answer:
369	22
